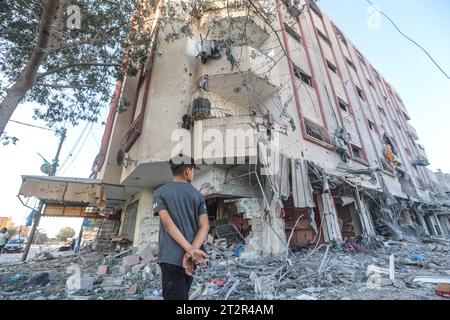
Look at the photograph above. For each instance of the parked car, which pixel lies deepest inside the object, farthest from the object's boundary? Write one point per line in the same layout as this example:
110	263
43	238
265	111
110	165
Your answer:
15	245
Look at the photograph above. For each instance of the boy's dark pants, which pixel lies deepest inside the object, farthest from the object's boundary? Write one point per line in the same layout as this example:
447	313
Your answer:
175	282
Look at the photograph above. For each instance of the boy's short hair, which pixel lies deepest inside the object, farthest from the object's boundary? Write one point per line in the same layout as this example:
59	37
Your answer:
180	162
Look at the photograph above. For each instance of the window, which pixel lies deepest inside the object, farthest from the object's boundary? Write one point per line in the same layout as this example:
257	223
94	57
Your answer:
302	76
292	33
343	105
314	7
331	66
356	152
340	35
360	57
360	93
371	125
350	63
377	75
324	37
316	131
370	83
381	110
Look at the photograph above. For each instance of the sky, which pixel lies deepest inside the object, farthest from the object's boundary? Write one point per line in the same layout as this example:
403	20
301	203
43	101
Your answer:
425	91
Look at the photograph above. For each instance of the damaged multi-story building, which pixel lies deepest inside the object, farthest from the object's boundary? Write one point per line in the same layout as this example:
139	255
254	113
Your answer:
285	77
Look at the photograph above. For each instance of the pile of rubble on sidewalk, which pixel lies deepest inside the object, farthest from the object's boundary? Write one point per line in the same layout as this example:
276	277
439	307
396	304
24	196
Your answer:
359	269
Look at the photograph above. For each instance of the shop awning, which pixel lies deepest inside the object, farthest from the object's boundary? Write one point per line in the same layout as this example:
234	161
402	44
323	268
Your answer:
75	197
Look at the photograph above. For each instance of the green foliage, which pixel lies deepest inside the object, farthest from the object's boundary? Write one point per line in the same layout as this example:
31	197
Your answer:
65	233
78	72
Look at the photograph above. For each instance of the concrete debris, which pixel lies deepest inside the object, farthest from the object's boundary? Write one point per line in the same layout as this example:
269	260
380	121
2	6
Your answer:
305	297
39	279
102	270
131	261
316	272
74	284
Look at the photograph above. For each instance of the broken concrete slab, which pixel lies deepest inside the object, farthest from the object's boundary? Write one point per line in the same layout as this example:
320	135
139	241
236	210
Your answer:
85	283
130	261
112	281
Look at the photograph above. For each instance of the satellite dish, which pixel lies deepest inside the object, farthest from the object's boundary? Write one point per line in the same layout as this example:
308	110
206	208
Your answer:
120	157
46	168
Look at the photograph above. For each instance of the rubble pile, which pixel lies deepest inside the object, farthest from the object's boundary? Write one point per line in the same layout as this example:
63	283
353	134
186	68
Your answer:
357	269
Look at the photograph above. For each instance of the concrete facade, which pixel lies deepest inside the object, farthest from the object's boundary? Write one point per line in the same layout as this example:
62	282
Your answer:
274	75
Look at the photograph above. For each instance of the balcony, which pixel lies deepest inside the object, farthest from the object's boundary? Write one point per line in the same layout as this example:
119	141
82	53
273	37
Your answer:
242	75
235	23
228	141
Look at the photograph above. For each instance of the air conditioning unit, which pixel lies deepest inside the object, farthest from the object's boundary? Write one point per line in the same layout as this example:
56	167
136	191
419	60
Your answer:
294	8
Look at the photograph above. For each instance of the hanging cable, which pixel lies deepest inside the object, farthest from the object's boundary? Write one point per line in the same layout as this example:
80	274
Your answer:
411	40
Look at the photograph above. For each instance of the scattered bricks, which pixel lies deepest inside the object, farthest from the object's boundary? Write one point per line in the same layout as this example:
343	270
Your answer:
135	269
443	290
130	261
133	289
102	270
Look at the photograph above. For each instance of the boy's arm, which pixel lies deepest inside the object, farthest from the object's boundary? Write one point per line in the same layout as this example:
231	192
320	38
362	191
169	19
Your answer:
203	230
173	230
195	253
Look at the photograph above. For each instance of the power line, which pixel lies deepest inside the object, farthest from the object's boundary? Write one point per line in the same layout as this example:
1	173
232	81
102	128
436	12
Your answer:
414	42
31	125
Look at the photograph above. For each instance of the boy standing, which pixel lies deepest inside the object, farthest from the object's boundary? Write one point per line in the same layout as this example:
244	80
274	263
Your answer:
183	229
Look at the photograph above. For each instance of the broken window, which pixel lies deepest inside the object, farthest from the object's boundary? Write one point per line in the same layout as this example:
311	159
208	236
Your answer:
340	35
356	152
290	31
360	93
370	83
343	105
360	57
302	76
331	66
323	36
381	110
371	125
315	131
315	8
350	63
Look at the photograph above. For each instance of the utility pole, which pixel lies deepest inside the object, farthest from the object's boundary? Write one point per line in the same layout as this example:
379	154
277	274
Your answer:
38	212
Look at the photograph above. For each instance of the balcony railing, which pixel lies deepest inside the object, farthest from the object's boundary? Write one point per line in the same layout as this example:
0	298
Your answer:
242	75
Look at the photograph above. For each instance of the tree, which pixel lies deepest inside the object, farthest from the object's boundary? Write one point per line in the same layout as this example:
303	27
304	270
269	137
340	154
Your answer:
65	233
40	237
65	55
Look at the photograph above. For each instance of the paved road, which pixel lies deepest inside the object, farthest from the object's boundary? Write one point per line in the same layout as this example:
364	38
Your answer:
15	257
